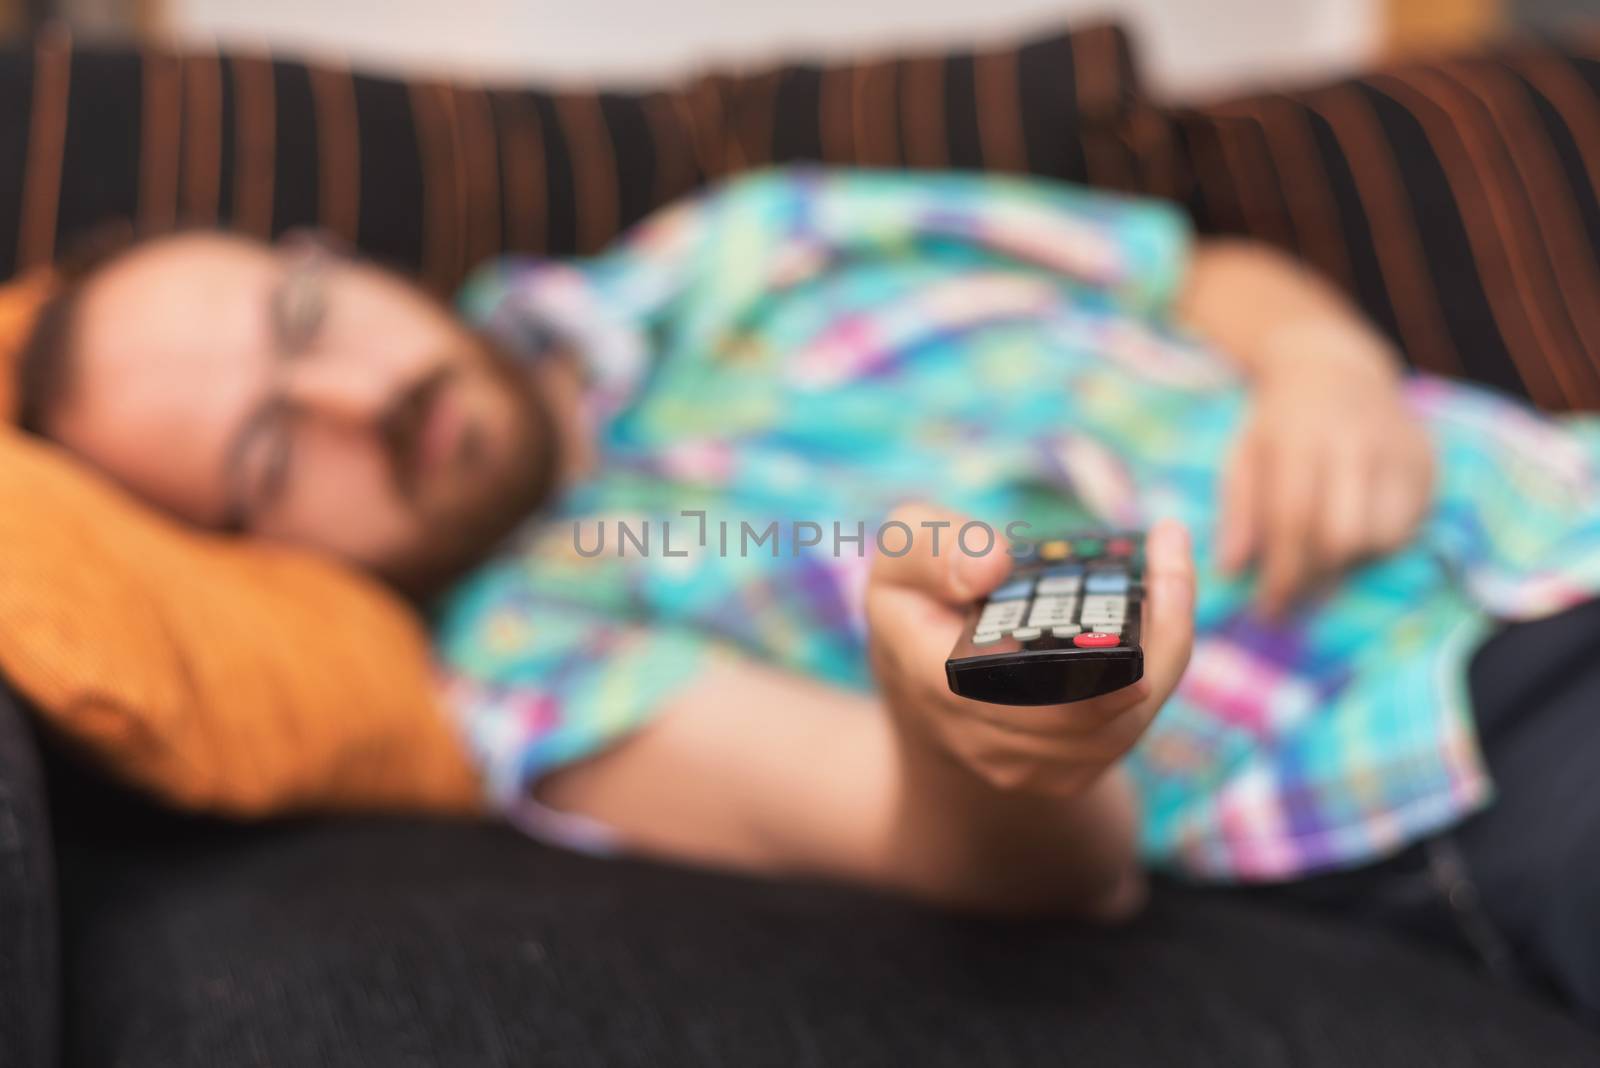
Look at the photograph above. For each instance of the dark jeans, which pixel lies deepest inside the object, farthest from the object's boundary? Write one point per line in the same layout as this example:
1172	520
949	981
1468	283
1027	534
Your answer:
1516	887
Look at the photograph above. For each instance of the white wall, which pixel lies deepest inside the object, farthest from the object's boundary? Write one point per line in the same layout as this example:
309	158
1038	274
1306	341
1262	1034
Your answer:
1190	47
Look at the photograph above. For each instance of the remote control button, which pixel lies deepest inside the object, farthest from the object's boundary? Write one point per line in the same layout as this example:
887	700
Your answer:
1120	546
1097	639
1049	618
1026	634
1048	611
1088	547
1106	582
998	615
1104	607
1066	630
1055	550
1012	589
1063	571
986	637
1060	584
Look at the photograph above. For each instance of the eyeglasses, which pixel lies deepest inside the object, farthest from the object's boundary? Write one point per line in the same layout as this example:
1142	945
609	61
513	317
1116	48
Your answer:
297	307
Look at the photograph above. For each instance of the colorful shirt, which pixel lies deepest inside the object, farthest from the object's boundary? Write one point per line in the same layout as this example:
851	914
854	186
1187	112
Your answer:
814	346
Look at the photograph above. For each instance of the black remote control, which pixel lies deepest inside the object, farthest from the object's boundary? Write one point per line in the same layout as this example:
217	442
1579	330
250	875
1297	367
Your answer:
1063	627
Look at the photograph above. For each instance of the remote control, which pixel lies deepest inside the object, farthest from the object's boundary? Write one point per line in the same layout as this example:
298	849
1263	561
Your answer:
1063	627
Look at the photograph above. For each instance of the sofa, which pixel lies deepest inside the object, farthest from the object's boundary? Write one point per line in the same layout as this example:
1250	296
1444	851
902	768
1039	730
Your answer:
133	935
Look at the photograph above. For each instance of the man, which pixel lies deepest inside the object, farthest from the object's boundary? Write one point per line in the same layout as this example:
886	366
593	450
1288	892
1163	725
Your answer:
813	351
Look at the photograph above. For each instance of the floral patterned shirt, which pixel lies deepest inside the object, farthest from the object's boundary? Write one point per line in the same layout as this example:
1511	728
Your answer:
806	348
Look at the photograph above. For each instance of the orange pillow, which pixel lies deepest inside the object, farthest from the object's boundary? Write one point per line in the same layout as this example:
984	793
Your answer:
219	675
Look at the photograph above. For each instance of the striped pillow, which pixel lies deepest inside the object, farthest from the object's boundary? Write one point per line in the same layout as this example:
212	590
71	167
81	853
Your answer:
433	177
428	176
1457	200
1028	108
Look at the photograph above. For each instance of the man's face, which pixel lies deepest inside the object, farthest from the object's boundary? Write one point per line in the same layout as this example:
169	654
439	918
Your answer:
302	397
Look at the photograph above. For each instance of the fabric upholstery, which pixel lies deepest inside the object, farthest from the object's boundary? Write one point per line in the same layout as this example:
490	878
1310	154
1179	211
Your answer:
386	943
216	674
429	176
435	176
30	955
1457	200
1043	106
1454	199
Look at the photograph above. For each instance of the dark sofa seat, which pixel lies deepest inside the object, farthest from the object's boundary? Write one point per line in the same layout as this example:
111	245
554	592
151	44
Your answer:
390	942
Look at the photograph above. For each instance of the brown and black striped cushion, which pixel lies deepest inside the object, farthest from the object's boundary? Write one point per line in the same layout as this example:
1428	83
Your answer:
1458	200
433	177
1040	107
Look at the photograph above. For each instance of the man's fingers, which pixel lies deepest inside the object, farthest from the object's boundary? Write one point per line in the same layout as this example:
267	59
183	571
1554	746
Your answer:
1293	478
923	579
1105	727
1167	636
1168	626
940	554
1394	513
1076	720
1240	496
1344	521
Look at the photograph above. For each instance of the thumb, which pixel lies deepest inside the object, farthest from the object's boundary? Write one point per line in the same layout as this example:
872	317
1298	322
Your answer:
939	560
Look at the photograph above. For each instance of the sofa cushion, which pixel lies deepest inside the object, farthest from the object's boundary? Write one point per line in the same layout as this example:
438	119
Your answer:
216	673
1035	107
30	987
1458	200
383	943
434	176
429	175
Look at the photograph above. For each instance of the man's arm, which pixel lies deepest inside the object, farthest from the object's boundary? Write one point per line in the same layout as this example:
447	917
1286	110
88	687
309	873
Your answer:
917	791
754	769
1265	310
1331	466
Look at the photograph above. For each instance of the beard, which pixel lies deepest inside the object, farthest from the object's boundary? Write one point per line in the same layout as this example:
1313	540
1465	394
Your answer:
471	533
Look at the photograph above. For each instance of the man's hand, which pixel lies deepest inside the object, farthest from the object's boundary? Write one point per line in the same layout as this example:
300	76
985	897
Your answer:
914	612
1330	468
950	801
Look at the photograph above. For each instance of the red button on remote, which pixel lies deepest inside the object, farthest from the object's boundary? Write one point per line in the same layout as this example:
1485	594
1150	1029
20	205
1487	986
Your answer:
1119	547
1096	639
